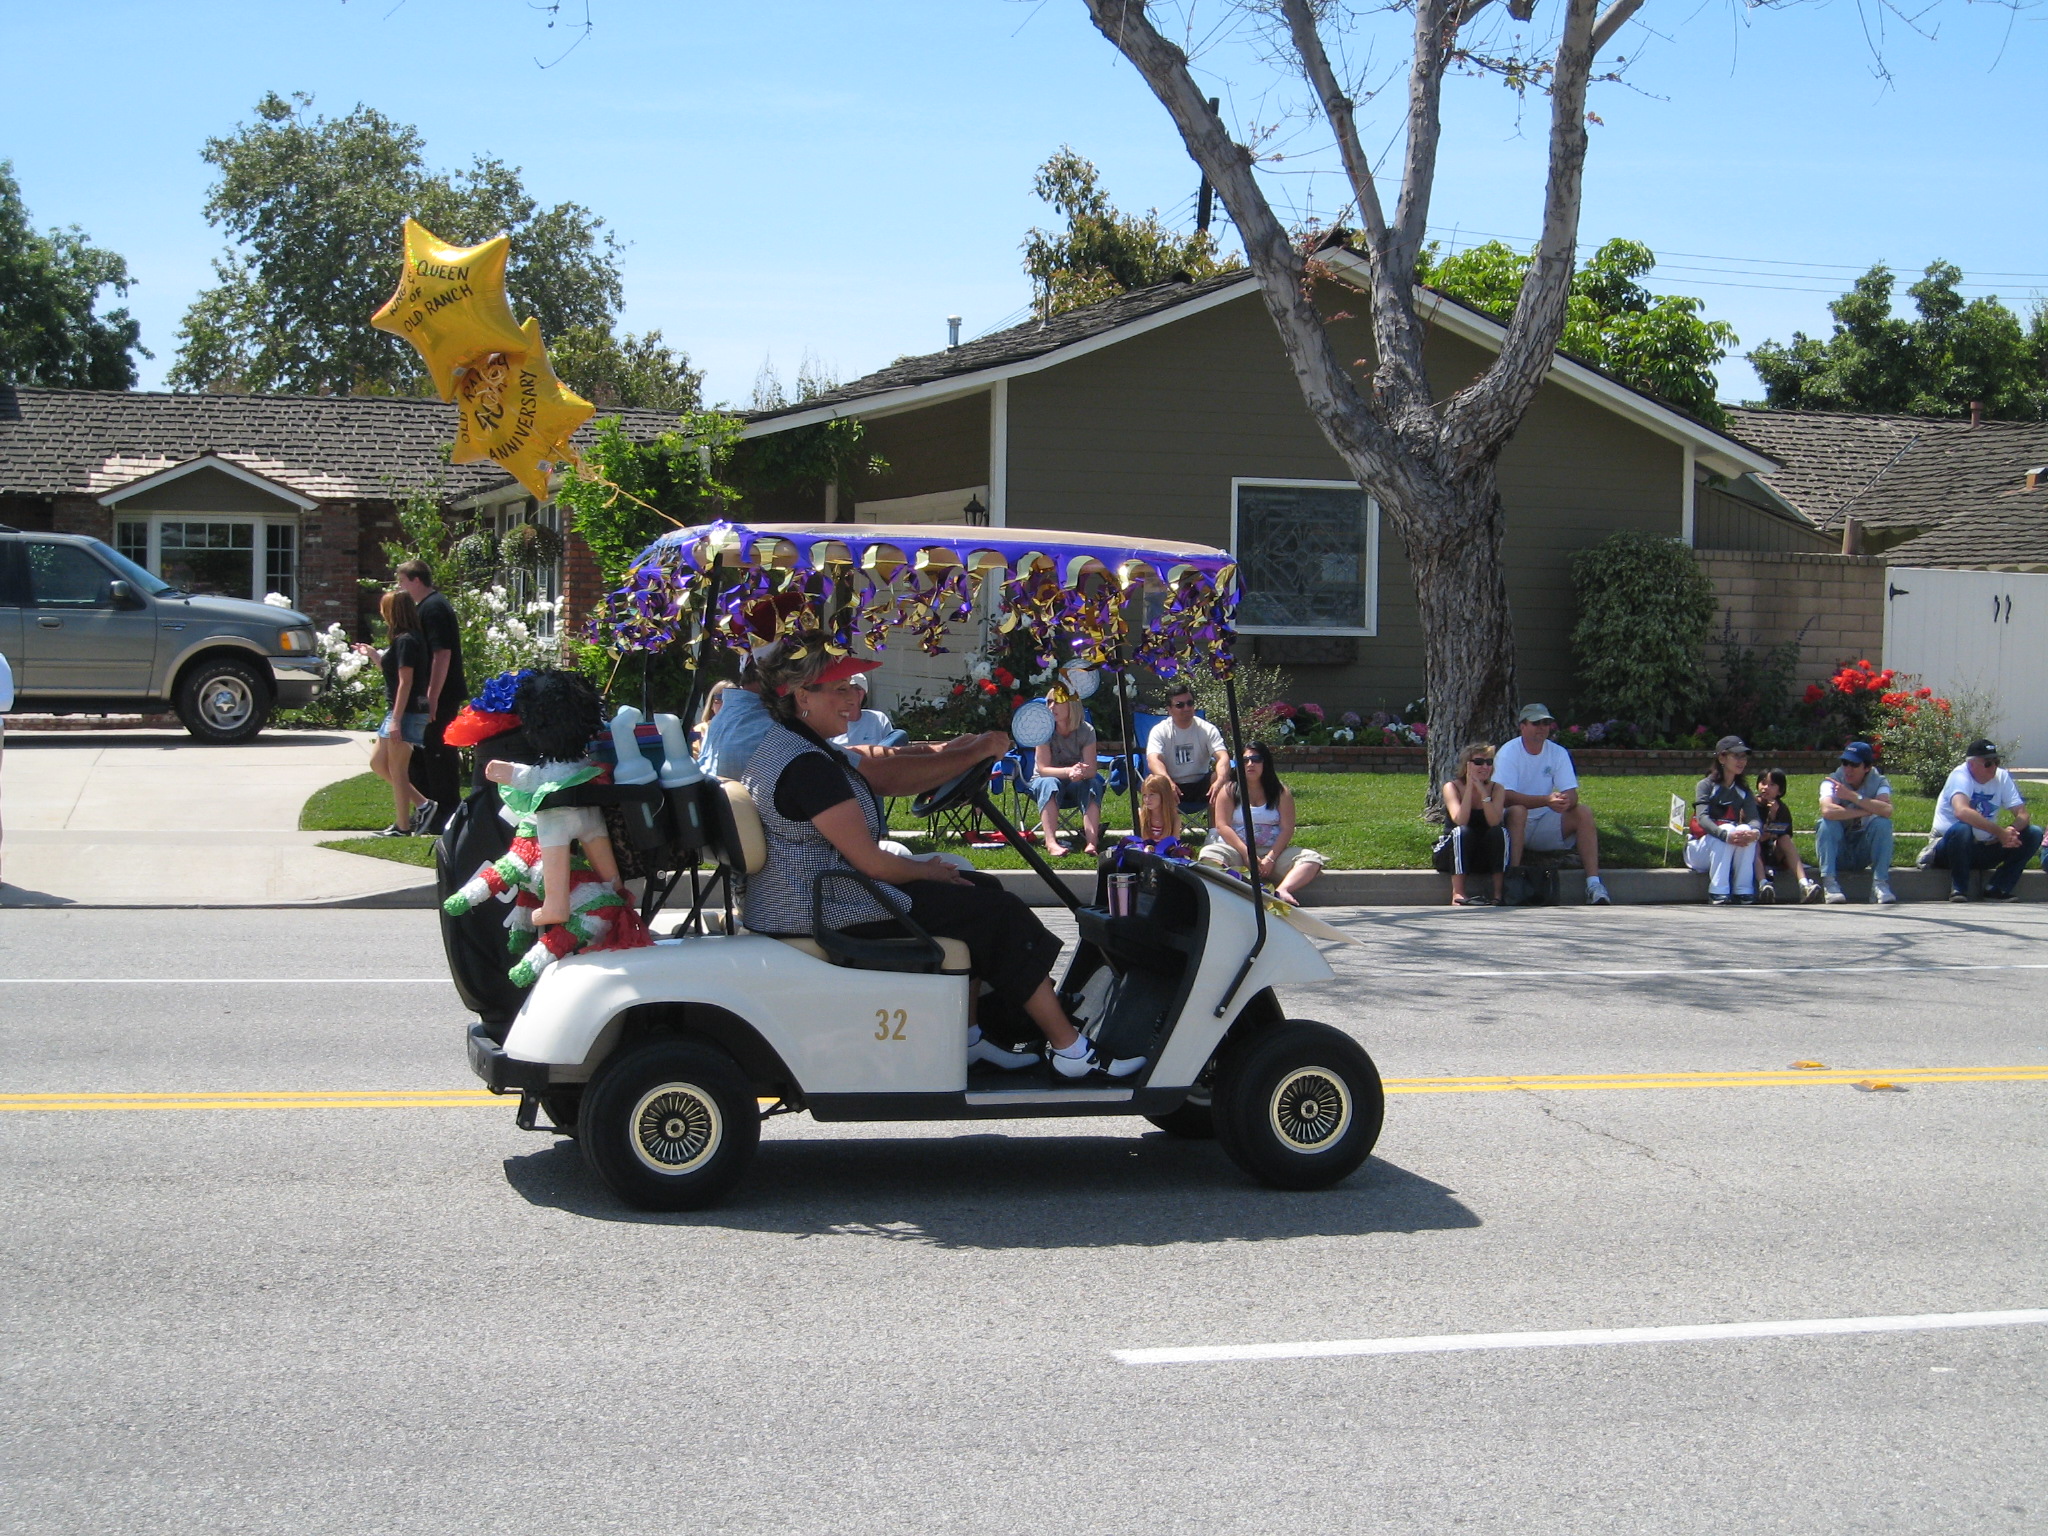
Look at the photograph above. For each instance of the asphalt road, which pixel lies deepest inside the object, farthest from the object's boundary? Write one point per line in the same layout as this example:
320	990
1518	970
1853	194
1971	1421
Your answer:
420	1319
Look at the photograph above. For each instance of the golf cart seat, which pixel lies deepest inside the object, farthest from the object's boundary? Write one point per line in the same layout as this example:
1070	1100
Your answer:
741	843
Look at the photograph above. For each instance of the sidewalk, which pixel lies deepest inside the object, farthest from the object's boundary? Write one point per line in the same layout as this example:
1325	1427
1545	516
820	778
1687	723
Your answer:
151	818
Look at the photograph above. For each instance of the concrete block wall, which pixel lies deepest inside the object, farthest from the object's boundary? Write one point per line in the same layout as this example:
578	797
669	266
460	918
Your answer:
1832	604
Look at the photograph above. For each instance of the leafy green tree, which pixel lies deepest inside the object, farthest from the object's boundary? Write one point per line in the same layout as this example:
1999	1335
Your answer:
1957	352
637	372
1659	343
49	291
1102	252
314	206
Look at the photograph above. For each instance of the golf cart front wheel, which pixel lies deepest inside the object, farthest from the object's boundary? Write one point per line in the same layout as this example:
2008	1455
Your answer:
670	1126
1300	1106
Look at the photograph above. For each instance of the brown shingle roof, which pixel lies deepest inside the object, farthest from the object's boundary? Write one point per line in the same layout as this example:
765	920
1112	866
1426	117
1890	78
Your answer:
58	441
1018	344
1892	471
2007	531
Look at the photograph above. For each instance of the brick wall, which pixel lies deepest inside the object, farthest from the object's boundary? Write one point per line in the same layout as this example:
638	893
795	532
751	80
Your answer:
582	586
328	566
82	514
1832	604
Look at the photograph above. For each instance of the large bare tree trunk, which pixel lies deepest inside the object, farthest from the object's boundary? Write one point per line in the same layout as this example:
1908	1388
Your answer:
1429	462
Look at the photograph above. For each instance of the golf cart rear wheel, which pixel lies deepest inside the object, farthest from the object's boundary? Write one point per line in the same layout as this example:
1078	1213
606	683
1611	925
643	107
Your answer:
1300	1106
670	1126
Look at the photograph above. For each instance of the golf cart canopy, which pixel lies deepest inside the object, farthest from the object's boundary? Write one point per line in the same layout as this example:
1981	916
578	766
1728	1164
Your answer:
741	584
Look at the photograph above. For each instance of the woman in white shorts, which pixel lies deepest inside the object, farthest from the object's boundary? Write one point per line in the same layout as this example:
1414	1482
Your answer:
1284	868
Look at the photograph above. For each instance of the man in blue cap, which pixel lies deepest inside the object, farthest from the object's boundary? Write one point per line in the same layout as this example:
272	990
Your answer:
1855	830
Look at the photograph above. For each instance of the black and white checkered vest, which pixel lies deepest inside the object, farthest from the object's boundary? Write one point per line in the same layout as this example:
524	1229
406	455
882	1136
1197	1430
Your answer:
778	899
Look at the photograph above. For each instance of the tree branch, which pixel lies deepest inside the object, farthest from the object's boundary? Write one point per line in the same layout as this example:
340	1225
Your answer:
1337	107
1479	419
1346	417
1611	21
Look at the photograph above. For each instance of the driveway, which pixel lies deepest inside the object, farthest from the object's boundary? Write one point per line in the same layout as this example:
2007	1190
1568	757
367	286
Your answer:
151	818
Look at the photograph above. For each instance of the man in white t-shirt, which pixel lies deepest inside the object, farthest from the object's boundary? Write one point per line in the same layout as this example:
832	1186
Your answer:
1967	835
1188	750
1544	813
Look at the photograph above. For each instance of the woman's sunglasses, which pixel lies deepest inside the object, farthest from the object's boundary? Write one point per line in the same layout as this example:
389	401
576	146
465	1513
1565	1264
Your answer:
1480	762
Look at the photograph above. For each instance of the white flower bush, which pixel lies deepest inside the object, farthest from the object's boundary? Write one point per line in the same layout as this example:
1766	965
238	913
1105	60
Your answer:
501	634
276	600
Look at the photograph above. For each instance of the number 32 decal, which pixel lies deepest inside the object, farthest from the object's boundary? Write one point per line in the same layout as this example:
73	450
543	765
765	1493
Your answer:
889	1023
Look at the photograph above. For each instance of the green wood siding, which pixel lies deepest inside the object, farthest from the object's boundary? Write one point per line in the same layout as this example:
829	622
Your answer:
1145	436
207	490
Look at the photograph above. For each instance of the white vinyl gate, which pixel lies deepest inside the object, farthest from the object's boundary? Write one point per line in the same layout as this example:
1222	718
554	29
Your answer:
1977	631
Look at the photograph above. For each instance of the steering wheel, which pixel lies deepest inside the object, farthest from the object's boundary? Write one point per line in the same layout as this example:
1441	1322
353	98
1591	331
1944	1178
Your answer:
955	792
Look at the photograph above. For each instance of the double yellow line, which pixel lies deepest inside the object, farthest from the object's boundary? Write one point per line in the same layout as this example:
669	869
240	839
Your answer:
474	1098
1790	1078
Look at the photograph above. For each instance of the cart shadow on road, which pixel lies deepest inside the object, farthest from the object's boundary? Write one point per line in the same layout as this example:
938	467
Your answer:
990	1191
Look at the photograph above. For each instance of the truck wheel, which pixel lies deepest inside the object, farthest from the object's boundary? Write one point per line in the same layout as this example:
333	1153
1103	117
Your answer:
670	1126
1300	1106
1193	1121
223	700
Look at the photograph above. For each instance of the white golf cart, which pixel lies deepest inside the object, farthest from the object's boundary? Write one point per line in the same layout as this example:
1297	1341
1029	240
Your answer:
663	1062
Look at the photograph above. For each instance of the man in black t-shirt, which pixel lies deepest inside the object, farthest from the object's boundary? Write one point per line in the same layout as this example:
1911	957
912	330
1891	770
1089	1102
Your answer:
437	769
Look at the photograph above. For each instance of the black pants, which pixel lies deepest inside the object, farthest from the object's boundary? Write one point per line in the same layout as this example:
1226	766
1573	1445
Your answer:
1007	946
1473	849
436	772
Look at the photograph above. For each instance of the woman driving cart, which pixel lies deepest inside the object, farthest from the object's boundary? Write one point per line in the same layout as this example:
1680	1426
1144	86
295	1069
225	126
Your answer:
820	814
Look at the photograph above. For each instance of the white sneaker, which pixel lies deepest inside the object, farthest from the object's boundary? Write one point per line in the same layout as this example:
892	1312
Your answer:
987	1050
1833	887
1596	893
1082	1066
1809	890
1885	895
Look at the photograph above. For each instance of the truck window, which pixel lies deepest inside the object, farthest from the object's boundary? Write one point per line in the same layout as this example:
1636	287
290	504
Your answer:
65	576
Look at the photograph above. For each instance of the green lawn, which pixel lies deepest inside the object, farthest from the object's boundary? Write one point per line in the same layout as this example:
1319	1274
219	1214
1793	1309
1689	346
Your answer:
1374	820
363	804
360	804
399	850
1359	820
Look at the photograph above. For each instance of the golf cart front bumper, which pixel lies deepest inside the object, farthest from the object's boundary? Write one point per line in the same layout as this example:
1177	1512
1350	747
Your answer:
501	1074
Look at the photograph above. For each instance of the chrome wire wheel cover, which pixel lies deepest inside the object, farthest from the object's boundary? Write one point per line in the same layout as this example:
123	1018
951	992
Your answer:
1310	1109
676	1128
226	702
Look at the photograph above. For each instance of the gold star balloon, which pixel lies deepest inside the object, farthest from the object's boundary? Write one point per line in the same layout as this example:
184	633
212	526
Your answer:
451	304
511	409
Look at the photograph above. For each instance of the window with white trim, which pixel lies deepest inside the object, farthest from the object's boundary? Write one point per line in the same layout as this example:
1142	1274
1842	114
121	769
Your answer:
1308	557
226	556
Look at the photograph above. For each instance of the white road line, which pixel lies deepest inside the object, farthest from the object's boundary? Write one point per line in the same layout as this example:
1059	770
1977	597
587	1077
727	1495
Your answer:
223	981
1576	1337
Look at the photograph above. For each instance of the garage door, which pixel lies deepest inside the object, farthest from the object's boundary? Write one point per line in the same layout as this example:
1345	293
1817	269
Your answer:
1977	631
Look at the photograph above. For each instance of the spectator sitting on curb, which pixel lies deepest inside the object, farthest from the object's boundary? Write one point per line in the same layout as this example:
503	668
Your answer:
1855	830
1967	835
1063	773
1284	868
1725	826
1777	844
1188	750
1476	844
1544	814
1158	811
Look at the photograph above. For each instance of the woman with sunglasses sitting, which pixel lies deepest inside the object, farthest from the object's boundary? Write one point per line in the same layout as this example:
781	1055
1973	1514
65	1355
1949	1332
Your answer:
1283	868
1477	843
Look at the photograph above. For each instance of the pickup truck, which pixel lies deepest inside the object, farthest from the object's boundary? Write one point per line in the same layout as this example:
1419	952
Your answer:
88	631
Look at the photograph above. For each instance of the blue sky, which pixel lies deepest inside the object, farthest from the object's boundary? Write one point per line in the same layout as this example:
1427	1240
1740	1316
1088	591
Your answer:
836	179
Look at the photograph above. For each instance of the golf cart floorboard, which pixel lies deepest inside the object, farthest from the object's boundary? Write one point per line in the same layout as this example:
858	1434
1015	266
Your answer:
980	1103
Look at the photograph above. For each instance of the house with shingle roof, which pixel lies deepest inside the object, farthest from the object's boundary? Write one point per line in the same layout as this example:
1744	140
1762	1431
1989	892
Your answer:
249	494
1922	491
1173	412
